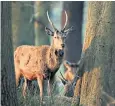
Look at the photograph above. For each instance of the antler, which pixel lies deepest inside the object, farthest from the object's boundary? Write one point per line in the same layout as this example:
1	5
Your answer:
70	29
64	81
63	77
51	22
65	21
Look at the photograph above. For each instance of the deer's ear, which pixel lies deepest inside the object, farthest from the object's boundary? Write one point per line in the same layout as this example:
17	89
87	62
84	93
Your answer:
49	32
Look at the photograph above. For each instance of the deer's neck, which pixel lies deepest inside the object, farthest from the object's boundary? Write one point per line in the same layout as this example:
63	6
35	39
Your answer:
53	60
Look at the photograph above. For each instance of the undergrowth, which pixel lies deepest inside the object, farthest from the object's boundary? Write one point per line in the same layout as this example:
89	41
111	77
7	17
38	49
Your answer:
33	99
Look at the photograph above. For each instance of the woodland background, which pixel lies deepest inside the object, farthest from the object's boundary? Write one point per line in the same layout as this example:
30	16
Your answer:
92	42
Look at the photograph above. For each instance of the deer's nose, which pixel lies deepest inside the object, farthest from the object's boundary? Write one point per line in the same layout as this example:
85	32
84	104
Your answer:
63	45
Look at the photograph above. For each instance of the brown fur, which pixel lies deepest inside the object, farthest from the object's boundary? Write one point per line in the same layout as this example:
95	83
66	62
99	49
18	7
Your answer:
69	75
33	62
70	71
41	62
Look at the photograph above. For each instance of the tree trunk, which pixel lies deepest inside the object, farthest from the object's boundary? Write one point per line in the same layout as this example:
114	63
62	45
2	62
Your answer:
74	40
97	66
22	29
40	22
8	87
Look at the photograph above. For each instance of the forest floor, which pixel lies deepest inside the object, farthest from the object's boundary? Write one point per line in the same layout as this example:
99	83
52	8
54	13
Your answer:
34	100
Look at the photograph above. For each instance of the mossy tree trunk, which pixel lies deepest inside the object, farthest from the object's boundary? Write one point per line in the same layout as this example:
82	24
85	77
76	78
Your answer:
22	29
40	22
74	40
8	87
97	68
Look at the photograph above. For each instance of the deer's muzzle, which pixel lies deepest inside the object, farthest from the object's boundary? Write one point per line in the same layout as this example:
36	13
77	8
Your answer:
59	53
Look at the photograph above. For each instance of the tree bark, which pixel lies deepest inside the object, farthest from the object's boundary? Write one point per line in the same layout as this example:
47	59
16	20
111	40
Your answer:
8	87
97	66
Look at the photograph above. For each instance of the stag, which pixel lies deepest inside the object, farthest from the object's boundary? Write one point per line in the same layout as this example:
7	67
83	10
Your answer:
41	62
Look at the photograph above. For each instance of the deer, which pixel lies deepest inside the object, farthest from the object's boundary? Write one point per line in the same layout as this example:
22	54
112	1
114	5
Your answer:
41	62
68	78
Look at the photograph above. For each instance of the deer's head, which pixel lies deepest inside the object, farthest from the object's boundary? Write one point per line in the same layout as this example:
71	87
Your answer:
59	37
68	78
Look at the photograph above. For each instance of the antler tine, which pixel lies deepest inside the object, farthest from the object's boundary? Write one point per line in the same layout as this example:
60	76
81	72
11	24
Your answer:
63	77
63	81
70	29
51	21
66	20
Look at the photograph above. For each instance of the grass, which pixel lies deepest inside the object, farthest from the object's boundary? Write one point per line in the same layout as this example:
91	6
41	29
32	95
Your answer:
33	99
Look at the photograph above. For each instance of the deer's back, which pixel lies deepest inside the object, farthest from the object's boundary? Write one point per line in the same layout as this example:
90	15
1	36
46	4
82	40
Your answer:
31	58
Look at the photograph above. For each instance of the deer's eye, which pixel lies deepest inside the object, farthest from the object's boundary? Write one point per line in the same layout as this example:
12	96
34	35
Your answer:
57	31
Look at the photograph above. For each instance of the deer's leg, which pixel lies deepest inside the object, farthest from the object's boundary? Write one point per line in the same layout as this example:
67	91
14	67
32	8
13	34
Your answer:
17	76
24	87
40	84
30	86
51	85
49	88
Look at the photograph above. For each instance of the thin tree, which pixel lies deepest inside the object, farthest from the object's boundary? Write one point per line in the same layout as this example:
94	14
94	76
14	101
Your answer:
40	21
74	40
8	88
97	68
22	28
